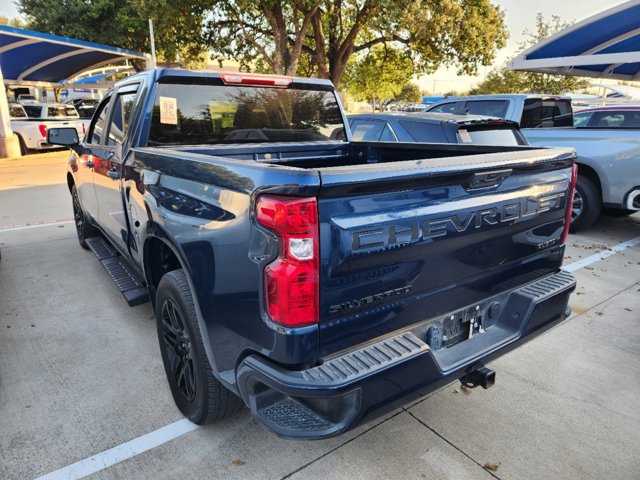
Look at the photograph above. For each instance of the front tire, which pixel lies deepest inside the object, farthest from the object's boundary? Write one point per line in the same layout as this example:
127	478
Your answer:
586	204
196	391
84	229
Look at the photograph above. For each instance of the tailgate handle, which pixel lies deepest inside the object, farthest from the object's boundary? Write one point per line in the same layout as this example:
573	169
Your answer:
486	179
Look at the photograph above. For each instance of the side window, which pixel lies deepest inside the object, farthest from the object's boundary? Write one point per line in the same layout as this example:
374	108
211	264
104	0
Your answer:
96	129
491	108
609	120
446	108
538	113
387	134
582	119
122	108
367	130
425	132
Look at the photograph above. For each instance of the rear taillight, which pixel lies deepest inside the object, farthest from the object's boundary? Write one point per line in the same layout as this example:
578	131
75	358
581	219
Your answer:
291	280
84	130
43	130
567	218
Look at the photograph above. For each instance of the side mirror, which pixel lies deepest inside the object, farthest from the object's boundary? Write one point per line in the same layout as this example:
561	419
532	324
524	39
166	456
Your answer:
67	137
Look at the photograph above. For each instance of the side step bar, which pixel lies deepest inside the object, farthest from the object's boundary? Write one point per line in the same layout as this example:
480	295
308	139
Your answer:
132	290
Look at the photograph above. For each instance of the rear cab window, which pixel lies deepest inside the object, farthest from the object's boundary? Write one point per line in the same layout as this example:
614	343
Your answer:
425	132
451	107
192	114
366	130
546	113
490	136
490	108
33	111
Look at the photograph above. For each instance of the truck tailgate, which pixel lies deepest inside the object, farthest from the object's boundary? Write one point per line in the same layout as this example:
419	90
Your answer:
417	239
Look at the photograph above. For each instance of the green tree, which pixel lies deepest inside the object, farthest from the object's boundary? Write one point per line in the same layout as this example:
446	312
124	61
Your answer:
124	23
409	92
379	75
501	80
323	35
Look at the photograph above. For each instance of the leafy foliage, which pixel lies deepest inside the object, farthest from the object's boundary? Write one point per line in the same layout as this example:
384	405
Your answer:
380	75
501	80
410	92
124	23
320	36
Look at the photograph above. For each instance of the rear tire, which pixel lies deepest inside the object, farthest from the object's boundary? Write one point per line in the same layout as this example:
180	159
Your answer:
586	203
196	391
23	147
83	228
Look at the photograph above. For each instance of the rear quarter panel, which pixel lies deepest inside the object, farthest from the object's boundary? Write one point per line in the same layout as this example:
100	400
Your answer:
613	153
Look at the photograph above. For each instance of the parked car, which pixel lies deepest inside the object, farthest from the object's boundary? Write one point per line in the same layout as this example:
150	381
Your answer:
26	98
609	176
614	116
32	130
529	111
434	128
319	280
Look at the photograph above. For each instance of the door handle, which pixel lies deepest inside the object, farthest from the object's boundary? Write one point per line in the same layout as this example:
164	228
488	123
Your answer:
114	174
89	164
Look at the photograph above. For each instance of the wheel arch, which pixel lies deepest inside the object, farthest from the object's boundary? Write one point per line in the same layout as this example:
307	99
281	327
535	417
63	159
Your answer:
590	173
158	247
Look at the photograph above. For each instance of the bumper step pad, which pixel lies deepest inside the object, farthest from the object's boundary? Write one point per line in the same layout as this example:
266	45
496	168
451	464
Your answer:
132	290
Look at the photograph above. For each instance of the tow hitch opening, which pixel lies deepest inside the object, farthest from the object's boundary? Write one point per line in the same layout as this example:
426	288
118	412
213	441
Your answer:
483	377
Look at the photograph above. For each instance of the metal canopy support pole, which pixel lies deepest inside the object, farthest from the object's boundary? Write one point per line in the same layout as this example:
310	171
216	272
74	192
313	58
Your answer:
9	145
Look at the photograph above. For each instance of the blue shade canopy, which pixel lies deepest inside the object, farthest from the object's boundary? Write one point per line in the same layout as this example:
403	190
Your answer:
27	56
604	45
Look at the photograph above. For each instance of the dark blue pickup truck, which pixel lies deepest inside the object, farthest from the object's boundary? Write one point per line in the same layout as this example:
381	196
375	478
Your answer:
319	281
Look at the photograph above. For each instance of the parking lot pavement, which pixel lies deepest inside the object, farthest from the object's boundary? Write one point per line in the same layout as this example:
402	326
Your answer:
80	374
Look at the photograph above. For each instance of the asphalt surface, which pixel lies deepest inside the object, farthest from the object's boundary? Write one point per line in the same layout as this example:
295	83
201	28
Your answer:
80	374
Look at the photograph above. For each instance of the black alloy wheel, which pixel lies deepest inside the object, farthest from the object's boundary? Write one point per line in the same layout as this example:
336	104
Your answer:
179	350
83	228
195	389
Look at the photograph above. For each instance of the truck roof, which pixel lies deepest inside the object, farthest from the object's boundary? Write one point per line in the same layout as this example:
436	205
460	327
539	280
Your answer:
262	79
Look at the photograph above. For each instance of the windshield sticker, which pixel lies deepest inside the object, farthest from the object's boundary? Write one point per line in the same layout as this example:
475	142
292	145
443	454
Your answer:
464	136
168	110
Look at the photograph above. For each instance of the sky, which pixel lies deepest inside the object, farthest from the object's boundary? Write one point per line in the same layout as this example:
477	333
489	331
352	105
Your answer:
520	15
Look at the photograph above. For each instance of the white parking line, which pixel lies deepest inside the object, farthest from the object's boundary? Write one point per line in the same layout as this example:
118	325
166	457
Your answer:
36	224
121	452
163	435
596	257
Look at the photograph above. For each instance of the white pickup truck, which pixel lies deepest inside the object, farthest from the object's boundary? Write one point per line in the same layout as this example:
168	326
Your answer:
31	121
608	172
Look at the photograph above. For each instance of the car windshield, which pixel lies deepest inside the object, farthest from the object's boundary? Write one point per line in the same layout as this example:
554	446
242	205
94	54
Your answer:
214	114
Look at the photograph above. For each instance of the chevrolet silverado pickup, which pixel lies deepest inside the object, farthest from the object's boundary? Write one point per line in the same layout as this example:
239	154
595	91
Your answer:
607	156
318	280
